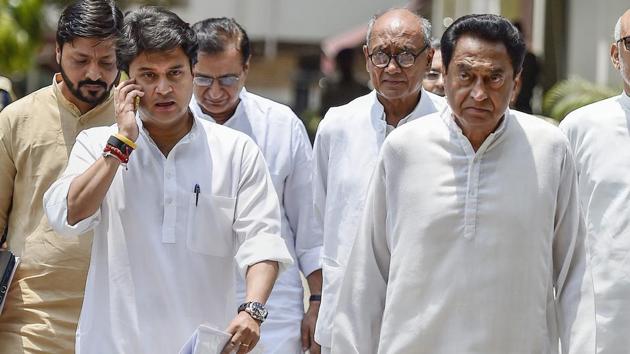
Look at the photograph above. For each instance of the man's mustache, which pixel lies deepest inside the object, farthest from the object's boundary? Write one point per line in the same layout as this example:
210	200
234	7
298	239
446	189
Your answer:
91	82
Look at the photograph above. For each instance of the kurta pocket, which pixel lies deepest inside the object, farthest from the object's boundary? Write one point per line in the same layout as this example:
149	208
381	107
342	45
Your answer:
210	221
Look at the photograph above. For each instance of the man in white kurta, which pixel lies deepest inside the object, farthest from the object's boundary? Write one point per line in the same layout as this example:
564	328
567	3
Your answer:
470	246
347	145
172	221
220	97
162	263
600	139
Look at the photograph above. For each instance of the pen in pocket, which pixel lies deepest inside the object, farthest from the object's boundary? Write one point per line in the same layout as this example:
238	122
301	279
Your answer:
197	190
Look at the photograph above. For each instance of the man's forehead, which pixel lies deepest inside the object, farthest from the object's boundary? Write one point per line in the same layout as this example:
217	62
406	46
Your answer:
482	54
625	24
160	59
91	44
481	64
229	51
404	38
226	62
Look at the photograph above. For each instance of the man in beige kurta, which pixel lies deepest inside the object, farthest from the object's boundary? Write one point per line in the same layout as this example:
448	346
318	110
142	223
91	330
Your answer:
37	133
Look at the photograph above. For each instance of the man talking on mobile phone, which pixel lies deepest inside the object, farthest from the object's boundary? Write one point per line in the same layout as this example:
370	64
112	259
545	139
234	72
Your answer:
174	201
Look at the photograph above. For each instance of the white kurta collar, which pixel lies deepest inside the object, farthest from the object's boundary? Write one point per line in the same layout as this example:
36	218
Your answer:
191	134
238	114
492	139
624	100
422	106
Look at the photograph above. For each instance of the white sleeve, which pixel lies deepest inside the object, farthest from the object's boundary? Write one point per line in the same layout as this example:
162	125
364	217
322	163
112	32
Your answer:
257	215
82	156
359	314
572	274
319	181
298	203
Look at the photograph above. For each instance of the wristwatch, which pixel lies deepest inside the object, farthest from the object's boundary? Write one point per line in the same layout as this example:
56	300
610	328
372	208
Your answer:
254	309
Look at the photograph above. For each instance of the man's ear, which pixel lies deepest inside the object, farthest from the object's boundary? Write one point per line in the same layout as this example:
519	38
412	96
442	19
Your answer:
246	65
516	89
367	57
58	53
517	82
614	55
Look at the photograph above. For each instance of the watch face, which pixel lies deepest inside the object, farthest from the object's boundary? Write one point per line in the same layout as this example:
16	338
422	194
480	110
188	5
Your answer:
258	310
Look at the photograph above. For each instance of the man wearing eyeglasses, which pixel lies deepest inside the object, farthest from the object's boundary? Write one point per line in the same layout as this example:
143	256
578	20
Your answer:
397	54
220	96
600	139
471	240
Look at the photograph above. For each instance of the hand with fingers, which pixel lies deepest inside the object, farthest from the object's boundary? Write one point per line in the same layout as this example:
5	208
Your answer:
308	329
125	96
245	334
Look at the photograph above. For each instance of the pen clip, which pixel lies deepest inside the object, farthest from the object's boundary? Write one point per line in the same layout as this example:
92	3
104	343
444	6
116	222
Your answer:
197	190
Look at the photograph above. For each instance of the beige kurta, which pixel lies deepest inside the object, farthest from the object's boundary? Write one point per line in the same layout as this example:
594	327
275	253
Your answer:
43	304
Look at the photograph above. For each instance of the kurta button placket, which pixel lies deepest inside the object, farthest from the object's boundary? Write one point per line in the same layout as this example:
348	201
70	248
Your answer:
170	203
470	209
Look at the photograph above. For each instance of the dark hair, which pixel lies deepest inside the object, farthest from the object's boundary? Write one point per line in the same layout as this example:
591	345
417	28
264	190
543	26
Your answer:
492	28
154	29
214	34
89	19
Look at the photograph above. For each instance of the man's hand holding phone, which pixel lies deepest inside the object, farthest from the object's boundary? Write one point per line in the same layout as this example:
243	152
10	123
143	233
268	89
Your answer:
126	97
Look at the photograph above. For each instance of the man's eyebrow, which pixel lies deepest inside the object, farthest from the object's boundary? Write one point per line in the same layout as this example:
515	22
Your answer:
464	66
85	55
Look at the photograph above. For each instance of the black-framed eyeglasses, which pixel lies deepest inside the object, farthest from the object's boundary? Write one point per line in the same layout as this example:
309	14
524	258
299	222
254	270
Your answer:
626	42
226	81
403	59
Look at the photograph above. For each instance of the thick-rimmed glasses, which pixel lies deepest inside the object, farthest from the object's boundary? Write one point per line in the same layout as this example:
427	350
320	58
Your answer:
226	81
626	42
403	59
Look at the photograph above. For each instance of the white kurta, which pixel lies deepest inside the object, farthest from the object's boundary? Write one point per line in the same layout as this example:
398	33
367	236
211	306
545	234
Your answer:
162	262
600	138
460	252
281	136
345	152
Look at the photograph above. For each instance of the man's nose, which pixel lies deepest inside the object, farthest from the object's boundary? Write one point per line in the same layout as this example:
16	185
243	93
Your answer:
393	67
478	92
163	86
215	90
93	71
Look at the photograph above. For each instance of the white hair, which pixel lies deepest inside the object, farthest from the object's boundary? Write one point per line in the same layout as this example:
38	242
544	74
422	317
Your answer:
424	23
617	34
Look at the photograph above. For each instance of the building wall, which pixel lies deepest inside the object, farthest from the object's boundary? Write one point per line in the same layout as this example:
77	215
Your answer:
591	25
289	20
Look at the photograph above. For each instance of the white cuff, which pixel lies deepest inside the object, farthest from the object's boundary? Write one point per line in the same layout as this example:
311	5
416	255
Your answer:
260	248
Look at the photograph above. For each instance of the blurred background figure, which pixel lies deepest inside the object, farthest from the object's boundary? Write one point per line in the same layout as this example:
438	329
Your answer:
343	87
529	79
433	81
6	92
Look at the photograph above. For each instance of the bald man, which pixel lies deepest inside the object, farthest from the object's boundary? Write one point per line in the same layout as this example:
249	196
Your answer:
600	139
397	54
451	257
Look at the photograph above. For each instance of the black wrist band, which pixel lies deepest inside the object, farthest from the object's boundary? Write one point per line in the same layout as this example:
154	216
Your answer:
120	145
315	298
